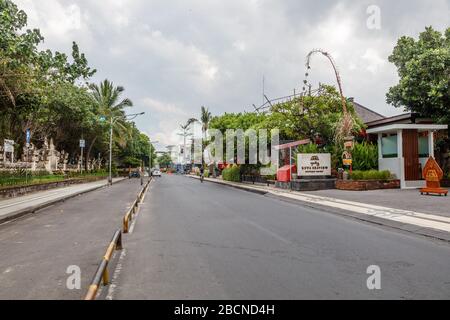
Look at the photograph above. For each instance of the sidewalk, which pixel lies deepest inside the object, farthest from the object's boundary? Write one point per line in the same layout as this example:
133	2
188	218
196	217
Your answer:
14	208
431	216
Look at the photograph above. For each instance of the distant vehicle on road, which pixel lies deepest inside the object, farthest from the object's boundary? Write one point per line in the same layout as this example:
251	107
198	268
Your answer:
134	174
156	173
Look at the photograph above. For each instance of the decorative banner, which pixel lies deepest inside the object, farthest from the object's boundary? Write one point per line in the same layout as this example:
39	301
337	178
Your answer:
314	164
347	159
347	162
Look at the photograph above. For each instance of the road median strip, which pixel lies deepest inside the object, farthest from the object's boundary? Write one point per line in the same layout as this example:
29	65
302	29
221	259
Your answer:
115	244
102	270
424	224
129	216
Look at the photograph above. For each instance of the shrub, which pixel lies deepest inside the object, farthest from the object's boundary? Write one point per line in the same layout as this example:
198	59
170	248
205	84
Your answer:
232	174
371	175
365	156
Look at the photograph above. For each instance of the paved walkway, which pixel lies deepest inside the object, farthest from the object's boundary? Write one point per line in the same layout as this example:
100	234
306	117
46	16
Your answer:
16	207
410	200
37	250
423	222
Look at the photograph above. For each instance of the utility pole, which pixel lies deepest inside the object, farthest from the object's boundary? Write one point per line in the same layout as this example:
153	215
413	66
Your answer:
112	122
82	145
184	134
150	173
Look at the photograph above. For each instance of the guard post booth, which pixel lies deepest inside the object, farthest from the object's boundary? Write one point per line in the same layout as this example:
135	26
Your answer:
405	143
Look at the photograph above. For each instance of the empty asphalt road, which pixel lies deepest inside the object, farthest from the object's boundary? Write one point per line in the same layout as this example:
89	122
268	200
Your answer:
207	241
36	251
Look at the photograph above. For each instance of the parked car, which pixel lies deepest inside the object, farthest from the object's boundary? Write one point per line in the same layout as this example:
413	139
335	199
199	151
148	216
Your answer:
156	173
134	174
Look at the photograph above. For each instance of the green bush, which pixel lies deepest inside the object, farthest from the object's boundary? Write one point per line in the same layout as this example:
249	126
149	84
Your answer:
232	174
370	175
365	156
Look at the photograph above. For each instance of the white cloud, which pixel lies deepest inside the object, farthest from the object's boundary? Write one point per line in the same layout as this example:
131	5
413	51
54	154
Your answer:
166	109
373	60
175	56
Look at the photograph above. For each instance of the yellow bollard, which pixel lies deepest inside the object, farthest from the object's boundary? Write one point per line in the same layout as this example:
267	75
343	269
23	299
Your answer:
106	277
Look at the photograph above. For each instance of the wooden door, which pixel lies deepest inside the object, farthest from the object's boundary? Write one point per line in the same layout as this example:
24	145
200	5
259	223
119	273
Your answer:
411	155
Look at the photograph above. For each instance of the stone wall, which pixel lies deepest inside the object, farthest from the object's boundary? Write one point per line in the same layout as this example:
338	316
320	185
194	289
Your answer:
308	184
11	192
365	185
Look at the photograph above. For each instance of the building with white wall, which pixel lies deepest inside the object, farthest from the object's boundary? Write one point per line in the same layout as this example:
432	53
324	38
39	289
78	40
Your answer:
405	143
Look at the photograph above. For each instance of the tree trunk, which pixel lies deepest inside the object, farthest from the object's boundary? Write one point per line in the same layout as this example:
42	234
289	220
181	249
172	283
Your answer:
88	154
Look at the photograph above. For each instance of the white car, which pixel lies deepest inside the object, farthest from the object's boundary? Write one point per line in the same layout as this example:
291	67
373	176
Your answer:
156	173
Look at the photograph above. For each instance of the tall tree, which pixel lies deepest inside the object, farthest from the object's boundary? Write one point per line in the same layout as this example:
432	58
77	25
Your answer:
109	103
424	69
205	119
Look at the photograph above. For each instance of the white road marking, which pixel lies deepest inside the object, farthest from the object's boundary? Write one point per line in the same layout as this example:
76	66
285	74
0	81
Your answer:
409	217
273	234
8	270
117	271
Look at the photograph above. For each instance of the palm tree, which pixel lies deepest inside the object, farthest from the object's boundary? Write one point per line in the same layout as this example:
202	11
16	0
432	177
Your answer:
109	104
205	120
188	124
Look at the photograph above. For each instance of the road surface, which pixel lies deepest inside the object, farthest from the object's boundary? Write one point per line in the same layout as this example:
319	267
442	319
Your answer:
207	241
36	251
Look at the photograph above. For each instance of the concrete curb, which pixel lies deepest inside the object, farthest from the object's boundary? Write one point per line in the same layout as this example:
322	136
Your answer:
244	188
410	228
33	209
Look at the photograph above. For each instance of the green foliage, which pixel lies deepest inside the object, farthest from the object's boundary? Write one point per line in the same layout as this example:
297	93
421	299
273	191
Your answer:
371	175
365	156
165	161
309	116
232	174
309	148
298	119
23	177
43	91
424	69
244	121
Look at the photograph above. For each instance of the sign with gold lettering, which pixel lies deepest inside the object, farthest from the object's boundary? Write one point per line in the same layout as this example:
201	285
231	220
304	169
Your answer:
433	174
314	164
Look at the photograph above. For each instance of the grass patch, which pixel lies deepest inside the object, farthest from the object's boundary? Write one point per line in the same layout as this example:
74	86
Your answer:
20	179
370	175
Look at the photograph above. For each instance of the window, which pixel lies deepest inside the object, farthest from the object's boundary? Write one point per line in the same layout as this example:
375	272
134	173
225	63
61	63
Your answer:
424	151
389	146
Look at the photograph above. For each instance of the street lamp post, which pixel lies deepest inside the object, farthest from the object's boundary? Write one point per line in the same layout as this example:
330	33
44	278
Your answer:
150	164
113	121
185	134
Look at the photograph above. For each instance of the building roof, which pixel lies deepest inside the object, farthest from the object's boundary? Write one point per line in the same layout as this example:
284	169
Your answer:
292	144
393	127
365	114
406	118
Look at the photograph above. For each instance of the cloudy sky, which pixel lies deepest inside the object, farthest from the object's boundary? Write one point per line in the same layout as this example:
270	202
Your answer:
174	56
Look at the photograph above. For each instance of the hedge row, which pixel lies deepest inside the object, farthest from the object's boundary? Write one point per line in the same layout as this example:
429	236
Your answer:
232	174
371	175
